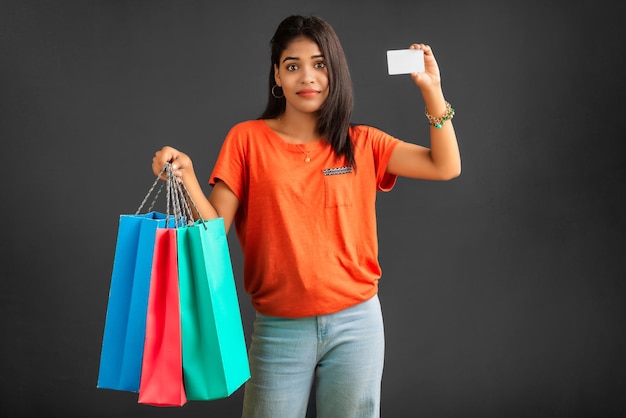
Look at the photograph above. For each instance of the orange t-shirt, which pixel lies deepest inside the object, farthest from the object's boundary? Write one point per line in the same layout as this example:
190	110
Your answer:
307	229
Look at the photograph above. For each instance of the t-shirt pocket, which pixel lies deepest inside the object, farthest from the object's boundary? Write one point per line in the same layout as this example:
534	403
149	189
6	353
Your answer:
338	186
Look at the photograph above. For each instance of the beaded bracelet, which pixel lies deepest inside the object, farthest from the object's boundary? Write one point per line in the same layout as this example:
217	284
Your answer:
438	122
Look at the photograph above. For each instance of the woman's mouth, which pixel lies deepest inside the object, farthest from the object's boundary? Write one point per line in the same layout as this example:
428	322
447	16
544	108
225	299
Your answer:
308	93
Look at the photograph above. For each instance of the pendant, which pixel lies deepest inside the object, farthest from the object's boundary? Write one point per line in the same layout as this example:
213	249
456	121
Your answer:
307	159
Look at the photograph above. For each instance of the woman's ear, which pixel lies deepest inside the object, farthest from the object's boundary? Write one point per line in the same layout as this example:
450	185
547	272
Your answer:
276	75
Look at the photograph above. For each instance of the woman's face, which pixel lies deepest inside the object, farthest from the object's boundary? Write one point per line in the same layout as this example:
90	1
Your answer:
303	76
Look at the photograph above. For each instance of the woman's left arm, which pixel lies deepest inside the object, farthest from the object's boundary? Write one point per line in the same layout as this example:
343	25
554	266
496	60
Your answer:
442	161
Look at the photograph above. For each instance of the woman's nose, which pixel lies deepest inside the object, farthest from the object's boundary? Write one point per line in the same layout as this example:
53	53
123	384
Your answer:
308	76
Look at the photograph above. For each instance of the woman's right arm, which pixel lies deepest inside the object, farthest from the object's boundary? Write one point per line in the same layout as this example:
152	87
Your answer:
222	201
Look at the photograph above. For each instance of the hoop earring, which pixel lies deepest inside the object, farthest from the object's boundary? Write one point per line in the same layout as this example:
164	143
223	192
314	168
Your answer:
274	94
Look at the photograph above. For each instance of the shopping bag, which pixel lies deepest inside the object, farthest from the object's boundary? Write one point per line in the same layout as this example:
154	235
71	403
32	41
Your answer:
215	360
161	375
124	329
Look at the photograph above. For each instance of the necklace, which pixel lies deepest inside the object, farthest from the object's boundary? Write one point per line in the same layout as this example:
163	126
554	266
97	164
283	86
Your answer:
307	154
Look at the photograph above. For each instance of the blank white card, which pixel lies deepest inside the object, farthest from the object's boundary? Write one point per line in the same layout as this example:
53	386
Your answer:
405	61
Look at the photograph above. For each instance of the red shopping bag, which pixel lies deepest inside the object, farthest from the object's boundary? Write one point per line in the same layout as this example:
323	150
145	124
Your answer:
162	373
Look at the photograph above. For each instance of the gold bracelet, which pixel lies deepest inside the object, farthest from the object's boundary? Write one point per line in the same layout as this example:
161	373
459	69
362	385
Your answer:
438	122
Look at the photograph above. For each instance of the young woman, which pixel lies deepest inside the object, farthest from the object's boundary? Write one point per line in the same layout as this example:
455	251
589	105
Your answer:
300	185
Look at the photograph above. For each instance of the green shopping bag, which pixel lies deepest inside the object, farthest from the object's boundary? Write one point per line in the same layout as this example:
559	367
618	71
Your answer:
215	360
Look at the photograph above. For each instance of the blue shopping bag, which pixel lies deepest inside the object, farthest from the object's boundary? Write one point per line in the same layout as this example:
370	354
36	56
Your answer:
125	323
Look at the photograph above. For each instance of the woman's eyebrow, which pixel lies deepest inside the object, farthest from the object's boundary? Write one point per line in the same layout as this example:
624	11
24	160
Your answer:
297	59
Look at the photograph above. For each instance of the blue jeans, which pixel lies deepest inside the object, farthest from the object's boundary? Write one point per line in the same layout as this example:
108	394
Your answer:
342	353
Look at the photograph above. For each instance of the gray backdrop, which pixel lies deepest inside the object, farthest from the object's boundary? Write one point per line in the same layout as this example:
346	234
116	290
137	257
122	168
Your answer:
503	291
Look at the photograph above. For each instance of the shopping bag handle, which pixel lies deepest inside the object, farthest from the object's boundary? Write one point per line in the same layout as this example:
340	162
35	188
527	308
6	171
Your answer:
179	201
145	199
188	202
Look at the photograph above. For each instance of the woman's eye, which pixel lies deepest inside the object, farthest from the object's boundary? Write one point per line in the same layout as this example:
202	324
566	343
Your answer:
320	64
292	67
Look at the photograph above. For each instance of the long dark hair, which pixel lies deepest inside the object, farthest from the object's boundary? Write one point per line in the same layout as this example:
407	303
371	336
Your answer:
336	112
